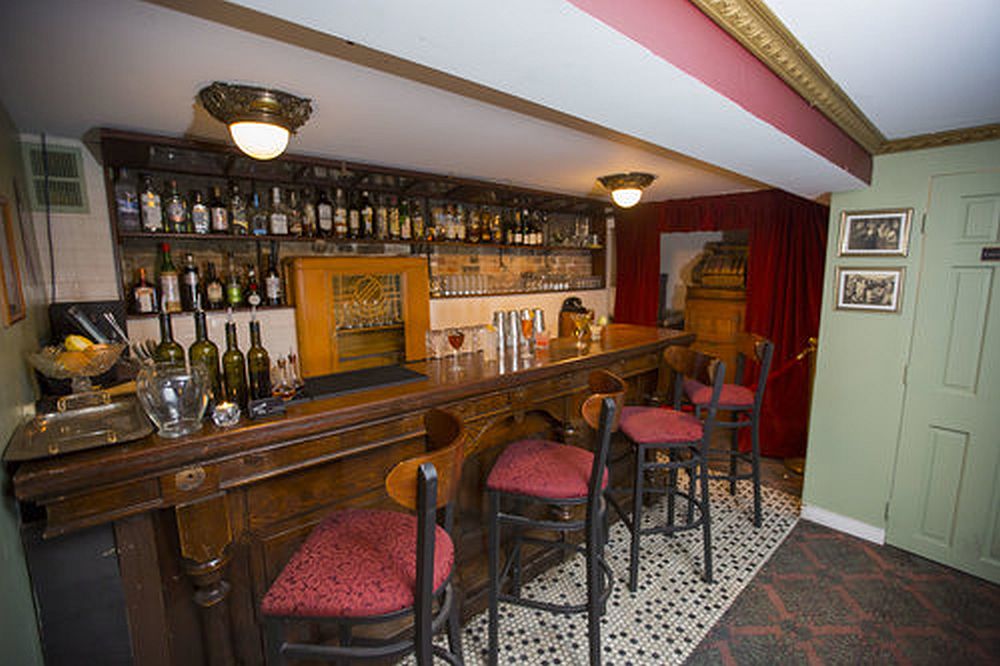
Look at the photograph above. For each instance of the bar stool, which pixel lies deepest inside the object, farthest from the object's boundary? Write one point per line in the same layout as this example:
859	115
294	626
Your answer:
743	405
366	566
543	472
684	439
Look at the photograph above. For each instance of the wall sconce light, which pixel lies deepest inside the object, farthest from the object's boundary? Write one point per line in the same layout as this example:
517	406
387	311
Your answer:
626	188
260	120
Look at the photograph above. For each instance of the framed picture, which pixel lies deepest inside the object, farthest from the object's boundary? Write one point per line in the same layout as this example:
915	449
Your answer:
11	293
876	289
878	233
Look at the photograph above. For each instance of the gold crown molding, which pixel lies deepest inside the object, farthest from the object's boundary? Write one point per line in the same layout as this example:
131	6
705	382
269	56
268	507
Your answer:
754	26
946	138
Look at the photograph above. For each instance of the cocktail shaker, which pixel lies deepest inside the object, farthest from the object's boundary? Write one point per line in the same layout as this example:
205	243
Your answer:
500	324
513	330
539	320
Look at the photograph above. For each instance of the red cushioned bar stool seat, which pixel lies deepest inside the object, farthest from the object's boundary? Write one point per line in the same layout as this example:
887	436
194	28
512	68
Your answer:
365	566
542	468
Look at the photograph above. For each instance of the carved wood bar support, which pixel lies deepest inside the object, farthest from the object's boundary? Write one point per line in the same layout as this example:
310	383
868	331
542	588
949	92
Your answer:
209	520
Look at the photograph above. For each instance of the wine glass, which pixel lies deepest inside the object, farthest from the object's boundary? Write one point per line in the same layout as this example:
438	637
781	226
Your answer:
581	321
455	338
527	331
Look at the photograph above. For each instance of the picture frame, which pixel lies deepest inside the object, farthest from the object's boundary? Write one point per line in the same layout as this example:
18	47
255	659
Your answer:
875	233
869	289
11	290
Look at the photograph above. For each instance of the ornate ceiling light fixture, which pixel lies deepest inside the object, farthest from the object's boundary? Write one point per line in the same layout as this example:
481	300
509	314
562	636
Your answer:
260	120
626	188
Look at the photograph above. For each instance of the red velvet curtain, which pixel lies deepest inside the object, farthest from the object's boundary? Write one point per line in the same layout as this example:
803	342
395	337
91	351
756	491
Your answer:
784	286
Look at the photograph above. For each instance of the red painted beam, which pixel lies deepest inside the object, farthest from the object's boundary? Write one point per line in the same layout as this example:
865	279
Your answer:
682	35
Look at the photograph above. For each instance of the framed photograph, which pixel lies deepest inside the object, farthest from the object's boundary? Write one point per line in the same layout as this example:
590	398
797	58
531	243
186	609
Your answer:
875	289
876	233
11	293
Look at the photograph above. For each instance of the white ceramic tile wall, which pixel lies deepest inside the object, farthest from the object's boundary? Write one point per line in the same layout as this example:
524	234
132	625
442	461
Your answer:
81	243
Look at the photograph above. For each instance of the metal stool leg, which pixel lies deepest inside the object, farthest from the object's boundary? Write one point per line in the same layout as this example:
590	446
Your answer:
455	630
275	637
706	518
594	586
637	493
755	461
671	488
494	574
734	449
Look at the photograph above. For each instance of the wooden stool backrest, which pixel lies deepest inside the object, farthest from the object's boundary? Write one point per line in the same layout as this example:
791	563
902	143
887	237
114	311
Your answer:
759	349
603	384
446	451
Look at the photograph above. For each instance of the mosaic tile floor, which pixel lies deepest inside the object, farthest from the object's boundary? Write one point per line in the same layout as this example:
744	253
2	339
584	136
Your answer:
672	610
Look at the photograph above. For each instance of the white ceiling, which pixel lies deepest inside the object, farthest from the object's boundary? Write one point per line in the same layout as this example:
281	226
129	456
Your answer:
529	92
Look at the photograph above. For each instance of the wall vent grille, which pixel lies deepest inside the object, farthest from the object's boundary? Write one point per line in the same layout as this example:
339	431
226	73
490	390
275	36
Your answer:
67	189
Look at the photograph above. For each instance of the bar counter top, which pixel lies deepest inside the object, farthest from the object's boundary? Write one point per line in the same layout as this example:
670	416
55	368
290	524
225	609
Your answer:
67	474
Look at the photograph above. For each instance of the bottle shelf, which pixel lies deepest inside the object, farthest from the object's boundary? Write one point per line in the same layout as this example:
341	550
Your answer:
520	292
158	236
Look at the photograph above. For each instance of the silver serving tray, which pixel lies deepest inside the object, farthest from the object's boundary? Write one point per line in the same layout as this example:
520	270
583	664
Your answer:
110	422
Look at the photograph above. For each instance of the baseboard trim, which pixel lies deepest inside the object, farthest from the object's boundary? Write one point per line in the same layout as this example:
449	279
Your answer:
843	524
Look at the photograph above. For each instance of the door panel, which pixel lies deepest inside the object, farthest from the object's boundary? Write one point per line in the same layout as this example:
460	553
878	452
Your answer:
946	494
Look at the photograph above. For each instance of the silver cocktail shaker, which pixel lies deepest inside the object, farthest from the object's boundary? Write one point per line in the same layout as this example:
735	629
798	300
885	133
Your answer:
539	320
500	324
513	329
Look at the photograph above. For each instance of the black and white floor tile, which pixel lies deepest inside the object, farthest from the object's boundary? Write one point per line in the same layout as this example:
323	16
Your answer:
673	608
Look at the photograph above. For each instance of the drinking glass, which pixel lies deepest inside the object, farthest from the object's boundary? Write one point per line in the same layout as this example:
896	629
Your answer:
527	331
455	338
581	320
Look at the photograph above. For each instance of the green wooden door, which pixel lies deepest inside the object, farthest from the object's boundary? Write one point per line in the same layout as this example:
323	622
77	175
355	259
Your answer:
946	492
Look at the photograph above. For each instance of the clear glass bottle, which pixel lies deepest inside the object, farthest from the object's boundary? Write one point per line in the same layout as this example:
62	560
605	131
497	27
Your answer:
127	201
353	216
258	365
324	214
309	215
381	219
417	219
460	222
170	290
272	281
295	214
176	210
395	228
215	293
190	285
152	210
259	224
204	352
239	216
405	223
200	217
218	211
278	218
340	215
367	217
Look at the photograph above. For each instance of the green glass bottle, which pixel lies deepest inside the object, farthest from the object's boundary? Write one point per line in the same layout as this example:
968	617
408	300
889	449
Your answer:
168	351
258	365
204	352
234	370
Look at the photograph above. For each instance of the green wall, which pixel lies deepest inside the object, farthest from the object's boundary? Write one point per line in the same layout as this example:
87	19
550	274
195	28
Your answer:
858	394
18	633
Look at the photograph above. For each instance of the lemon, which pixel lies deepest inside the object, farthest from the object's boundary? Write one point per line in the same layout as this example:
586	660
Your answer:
76	343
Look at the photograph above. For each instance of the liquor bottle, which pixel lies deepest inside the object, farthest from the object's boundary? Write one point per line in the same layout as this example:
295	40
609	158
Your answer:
309	214
176	210
170	290
435	224
294	214
215	293
508	227
449	223
395	229
475	230
367	217
496	228
272	281
152	211
324	214
143	295
203	352
278	218
258	215
168	351
460	223
190	284
252	296
381	219
234	290
234	370
518	228
353	216
417	219
200	217
258	364
239	217
340	215
405	223
126	201
219	212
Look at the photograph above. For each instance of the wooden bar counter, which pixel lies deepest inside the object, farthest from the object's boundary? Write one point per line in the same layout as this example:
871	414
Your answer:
204	523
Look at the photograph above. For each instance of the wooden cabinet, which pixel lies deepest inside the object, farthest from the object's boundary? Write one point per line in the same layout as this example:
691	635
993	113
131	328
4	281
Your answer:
717	318
354	312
